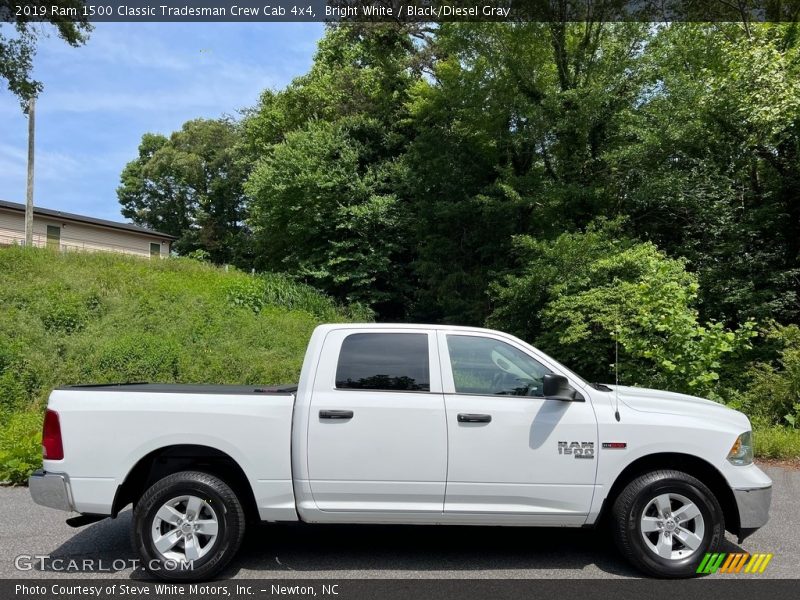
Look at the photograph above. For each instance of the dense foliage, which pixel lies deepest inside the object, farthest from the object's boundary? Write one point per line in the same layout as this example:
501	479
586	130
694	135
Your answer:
77	318
323	215
582	292
773	397
575	183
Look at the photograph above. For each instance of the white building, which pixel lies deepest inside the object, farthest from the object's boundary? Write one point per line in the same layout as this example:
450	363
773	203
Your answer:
67	231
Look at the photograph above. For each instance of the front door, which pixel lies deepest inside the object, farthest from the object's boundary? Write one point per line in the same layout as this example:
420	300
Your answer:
377	437
512	451
54	236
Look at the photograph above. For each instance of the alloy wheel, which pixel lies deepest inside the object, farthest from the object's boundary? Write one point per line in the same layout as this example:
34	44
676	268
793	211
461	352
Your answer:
184	529
672	526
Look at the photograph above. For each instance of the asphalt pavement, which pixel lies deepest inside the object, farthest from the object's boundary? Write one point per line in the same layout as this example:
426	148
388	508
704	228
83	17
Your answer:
365	551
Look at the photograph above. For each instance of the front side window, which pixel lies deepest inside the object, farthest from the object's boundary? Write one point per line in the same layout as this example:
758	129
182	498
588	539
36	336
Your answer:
490	367
384	361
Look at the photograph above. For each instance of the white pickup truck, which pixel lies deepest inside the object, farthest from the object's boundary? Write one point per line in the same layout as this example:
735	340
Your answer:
403	424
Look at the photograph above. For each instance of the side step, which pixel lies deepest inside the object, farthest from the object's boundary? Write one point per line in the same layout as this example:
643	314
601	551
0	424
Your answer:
82	520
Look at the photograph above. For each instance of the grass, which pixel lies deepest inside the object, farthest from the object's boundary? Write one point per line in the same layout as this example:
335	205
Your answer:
775	442
79	318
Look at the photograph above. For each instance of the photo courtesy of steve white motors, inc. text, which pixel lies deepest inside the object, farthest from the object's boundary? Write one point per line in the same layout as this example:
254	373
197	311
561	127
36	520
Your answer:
137	590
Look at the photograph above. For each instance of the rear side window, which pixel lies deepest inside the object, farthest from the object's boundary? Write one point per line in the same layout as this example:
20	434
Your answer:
384	361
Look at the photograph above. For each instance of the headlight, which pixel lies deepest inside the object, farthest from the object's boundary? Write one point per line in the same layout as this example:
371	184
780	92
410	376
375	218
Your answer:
742	451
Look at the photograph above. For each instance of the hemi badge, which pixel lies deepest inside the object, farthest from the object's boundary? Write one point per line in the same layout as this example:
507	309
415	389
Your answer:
615	445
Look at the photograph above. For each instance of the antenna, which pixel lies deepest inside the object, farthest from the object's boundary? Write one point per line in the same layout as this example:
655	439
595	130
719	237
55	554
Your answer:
616	373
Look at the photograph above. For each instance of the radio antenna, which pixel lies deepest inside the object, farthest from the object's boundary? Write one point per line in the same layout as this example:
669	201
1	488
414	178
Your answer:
616	373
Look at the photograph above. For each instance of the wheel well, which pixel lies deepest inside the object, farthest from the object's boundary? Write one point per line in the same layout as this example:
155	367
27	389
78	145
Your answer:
692	465
184	457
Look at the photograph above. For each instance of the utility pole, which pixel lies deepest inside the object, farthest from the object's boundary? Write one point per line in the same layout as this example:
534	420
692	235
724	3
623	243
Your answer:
29	198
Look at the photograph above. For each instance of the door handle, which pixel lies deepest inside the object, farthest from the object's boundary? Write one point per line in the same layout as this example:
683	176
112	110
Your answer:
336	414
474	418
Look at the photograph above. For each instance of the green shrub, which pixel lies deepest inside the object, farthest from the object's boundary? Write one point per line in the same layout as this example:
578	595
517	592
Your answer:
20	375
576	295
133	356
272	289
777	442
772	395
20	445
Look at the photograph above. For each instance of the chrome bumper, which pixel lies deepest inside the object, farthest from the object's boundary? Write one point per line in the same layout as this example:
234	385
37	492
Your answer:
51	490
753	507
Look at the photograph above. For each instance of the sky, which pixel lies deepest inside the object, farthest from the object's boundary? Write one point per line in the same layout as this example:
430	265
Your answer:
129	79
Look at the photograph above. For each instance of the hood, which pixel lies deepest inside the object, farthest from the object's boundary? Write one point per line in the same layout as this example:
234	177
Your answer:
672	403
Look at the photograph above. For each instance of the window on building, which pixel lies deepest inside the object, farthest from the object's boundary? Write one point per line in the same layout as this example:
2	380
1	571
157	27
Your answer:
53	236
155	250
384	361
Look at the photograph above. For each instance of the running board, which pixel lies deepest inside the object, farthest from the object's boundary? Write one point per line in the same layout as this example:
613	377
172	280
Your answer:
82	520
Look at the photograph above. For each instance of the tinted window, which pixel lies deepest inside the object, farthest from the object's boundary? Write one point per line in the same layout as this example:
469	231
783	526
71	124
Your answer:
384	361
486	366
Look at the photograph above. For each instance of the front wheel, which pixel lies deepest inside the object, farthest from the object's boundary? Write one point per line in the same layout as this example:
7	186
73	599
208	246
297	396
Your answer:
187	526
666	521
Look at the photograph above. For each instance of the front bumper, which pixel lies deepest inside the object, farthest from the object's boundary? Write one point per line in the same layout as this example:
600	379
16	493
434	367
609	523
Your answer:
51	490
753	504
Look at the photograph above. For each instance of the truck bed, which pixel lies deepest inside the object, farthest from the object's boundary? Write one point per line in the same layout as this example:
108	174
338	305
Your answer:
180	388
109	428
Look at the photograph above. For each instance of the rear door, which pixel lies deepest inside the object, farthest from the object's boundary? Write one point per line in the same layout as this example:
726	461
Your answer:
512	451
377	436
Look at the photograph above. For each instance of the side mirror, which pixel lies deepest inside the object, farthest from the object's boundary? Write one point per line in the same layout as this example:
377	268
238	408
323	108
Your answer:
556	387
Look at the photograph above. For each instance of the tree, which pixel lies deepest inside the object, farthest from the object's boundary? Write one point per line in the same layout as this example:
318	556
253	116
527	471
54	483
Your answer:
511	133
191	185
359	69
17	51
324	214
328	183
691	129
711	165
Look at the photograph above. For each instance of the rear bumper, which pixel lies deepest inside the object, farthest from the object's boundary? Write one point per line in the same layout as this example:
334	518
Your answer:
51	490
753	507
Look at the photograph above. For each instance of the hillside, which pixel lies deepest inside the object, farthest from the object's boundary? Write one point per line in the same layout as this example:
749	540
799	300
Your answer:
77	317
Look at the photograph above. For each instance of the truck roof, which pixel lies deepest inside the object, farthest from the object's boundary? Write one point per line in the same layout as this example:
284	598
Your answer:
334	326
179	388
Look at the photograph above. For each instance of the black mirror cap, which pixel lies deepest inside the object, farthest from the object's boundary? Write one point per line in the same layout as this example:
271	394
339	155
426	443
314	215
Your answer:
557	387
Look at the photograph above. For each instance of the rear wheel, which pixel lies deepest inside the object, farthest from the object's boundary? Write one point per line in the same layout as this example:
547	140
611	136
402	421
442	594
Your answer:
666	521
187	526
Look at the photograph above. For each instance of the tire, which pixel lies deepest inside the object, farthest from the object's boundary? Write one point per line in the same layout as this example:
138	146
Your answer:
651	523
187	526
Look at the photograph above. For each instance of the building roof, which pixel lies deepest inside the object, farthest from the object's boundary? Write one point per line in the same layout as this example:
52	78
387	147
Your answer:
57	214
